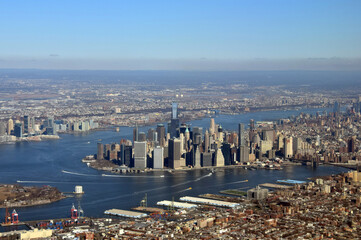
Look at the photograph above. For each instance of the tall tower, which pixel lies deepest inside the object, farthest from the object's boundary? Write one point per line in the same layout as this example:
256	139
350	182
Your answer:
174	110
100	152
158	158
161	134
241	141
174	122
26	124
140	154
174	153
206	141
10	126
135	133
243	151
212	127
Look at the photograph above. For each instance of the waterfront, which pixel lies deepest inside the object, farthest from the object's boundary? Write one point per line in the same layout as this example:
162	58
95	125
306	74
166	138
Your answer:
42	163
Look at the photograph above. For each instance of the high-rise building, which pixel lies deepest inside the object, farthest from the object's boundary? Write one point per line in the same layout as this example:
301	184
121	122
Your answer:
174	110
206	141
351	144
243	151
100	152
241	140
174	122
218	159
174	153
288	147
135	133
18	130
336	107
128	160
26	124
140	154
212	127
2	128
197	157
226	150
10	126
197	135
158	157
142	137
161	134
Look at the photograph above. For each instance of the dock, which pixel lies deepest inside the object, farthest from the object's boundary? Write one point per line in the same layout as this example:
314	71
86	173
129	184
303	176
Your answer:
209	202
125	213
176	204
148	209
276	186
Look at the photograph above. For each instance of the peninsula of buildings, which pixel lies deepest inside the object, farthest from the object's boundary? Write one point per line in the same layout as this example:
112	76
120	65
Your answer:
331	138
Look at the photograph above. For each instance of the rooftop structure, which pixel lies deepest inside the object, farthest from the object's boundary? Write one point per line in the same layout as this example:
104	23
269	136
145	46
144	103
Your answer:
124	213
209	201
176	204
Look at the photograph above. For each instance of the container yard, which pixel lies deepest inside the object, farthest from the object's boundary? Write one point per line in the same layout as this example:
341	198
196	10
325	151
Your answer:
209	202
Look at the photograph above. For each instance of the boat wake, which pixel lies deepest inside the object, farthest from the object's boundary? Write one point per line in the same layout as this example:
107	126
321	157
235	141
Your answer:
208	175
79	174
20	181
122	176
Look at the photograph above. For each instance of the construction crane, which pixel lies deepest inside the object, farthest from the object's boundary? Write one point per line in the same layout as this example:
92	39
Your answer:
144	201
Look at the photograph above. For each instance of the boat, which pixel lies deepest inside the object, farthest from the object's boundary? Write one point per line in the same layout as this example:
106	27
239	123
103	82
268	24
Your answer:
162	176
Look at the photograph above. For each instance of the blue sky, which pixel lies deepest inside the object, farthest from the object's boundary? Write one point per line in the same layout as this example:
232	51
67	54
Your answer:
169	34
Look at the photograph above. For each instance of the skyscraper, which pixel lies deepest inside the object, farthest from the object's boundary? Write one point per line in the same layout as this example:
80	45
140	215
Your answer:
197	158
243	152
174	122
161	134
241	135
212	127
10	126
140	154
100	152
206	141
18	130
174	153
26	124
174	110
135	133
158	158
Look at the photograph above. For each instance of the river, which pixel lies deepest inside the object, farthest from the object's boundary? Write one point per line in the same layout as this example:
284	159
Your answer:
41	163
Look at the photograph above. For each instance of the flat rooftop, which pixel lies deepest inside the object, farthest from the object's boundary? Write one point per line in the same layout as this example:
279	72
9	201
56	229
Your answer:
176	204
209	201
125	213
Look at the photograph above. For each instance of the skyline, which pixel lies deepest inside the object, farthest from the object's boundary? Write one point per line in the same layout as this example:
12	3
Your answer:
191	35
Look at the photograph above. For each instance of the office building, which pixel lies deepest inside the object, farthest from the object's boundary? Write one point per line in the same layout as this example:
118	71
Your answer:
197	157
100	152
26	124
174	153
161	134
174	122
135	133
18	130
158	158
10	126
140	154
